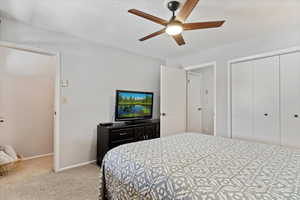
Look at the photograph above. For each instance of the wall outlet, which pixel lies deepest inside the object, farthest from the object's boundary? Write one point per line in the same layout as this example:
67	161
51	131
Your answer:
2	121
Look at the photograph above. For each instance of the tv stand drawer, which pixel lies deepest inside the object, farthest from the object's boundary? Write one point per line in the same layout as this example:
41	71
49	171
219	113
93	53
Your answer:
121	134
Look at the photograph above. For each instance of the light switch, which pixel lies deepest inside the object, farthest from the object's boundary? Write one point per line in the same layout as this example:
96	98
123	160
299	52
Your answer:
64	83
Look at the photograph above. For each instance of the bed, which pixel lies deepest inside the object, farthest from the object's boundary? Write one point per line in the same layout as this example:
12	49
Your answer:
193	166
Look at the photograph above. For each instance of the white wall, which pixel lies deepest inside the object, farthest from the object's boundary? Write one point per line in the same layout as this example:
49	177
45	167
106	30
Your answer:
94	73
222	54
27	101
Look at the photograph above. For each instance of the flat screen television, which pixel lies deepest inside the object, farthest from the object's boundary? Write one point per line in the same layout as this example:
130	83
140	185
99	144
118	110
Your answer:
132	105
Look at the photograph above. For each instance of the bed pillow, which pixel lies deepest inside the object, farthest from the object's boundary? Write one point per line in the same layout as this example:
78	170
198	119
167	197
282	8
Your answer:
4	158
10	151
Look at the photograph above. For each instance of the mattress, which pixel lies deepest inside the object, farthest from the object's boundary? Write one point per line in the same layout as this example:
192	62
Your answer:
193	166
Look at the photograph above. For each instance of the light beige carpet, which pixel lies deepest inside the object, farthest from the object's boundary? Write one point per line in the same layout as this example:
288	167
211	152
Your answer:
28	169
74	184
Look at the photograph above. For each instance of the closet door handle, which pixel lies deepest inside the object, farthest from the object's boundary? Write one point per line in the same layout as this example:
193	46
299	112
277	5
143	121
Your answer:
296	115
266	114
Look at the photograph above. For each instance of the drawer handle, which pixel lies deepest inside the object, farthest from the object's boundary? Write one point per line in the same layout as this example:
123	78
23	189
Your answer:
123	134
296	116
266	114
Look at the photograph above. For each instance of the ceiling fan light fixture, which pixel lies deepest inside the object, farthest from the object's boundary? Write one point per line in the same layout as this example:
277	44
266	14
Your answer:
177	24
174	28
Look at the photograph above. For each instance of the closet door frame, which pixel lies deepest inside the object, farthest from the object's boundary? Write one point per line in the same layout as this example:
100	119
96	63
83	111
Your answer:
214	66
244	59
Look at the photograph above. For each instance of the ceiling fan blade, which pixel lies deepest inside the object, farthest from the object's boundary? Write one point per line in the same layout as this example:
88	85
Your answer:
186	10
202	25
179	39
153	35
148	16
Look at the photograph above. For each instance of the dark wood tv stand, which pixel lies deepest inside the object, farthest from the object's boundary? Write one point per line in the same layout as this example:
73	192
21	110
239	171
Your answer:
117	134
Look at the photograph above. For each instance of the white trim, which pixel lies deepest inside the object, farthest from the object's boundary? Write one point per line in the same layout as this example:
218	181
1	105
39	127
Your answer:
77	165
27	48
244	59
229	105
57	91
189	68
265	55
38	156
56	140
193	73
214	65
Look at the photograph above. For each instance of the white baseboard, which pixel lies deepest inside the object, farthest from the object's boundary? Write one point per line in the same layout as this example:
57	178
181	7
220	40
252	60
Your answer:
76	165
64	168
38	156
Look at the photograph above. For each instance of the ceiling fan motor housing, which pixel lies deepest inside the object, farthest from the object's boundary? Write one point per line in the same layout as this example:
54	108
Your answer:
173	5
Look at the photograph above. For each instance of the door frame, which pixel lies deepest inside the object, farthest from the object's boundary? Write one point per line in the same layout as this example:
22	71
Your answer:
209	64
57	93
244	59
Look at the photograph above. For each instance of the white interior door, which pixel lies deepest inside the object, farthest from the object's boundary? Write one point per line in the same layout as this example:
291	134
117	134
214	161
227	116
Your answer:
241	100
173	101
194	114
266	100
290	99
255	100
207	100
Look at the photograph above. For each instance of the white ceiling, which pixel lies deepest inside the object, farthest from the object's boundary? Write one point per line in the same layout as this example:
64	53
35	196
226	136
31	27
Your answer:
107	21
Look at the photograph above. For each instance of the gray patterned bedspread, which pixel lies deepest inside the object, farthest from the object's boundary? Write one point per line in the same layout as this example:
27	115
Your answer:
194	166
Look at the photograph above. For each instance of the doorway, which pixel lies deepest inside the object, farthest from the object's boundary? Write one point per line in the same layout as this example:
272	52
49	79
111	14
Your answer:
201	95
29	107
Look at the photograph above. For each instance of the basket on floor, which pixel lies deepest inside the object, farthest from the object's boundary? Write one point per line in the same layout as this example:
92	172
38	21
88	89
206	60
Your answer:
6	168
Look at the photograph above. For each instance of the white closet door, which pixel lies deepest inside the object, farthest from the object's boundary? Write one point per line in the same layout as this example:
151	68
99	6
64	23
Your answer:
290	99
266	100
241	101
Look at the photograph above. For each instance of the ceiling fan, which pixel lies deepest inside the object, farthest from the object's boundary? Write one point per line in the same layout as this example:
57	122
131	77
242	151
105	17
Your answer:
175	26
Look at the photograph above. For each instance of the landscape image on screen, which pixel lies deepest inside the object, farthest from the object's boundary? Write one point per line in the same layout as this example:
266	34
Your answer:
132	105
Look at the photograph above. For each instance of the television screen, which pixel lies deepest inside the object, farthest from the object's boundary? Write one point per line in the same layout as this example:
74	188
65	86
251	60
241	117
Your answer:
132	105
